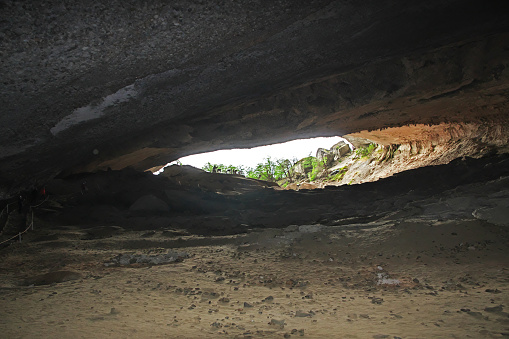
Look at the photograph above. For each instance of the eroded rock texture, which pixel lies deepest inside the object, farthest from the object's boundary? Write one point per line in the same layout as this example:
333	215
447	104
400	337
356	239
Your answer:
88	85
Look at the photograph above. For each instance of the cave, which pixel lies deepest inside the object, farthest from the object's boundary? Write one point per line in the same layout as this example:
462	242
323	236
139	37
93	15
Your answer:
97	96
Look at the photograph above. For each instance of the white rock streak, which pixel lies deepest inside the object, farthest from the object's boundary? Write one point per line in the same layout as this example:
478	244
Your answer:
94	111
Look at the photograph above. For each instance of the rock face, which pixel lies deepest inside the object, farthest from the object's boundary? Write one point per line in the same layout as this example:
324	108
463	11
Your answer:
382	153
302	167
340	149
88	86
324	156
467	188
357	142
149	203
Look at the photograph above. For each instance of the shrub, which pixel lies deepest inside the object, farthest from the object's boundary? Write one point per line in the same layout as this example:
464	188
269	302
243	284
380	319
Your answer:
307	163
317	167
338	176
365	151
208	167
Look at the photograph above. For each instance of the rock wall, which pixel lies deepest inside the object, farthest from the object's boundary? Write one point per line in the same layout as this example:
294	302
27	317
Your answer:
399	149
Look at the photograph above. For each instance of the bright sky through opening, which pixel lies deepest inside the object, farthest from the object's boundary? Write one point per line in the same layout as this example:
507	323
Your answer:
250	157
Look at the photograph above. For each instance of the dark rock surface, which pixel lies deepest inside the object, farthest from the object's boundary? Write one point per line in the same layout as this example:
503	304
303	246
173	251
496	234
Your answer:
465	187
91	85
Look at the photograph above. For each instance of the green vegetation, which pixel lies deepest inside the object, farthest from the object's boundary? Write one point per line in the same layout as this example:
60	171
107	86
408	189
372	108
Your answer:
282	171
264	171
270	170
313	167
318	166
307	163
208	167
338	176
364	152
274	169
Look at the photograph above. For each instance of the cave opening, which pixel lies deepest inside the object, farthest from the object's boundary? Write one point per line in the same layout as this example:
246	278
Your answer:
356	158
250	161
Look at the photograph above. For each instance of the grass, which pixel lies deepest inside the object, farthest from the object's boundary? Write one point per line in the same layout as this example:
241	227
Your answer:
365	152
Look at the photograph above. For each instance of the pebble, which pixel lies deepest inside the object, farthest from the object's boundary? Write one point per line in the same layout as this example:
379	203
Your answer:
276	322
495	309
268	299
302	314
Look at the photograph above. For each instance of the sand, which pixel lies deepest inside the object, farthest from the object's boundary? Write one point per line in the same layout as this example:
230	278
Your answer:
387	279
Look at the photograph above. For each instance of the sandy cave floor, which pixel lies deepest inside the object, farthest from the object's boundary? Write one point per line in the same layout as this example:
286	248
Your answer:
406	278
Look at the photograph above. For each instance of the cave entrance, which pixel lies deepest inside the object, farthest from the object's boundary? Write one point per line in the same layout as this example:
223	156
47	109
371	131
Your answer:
355	158
280	163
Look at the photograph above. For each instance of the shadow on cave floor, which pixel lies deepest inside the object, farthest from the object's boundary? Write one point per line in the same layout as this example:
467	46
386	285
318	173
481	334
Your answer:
141	201
195	202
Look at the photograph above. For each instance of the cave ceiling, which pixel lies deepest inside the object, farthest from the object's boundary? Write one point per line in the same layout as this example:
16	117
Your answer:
88	85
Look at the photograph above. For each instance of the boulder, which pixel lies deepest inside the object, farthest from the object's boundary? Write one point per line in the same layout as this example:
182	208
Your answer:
177	170
149	203
325	156
357	142
303	166
183	200
340	149
498	215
